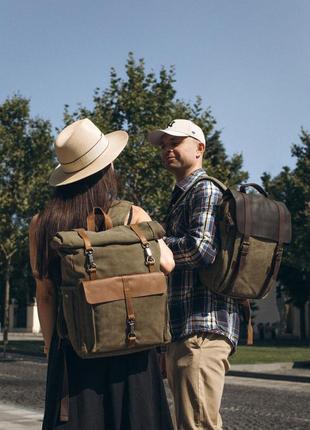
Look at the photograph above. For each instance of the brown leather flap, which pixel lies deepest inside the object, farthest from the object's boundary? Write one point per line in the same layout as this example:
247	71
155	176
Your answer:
265	218
111	289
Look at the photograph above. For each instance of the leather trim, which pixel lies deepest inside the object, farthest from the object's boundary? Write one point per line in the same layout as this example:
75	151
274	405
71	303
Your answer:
264	217
91	219
111	289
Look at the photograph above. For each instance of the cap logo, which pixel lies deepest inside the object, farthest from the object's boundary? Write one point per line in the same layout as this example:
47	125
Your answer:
171	124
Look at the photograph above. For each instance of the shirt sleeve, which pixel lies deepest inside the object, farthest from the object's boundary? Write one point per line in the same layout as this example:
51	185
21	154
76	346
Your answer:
199	244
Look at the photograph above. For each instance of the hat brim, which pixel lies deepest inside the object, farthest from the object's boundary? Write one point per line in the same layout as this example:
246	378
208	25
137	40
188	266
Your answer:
117	142
155	136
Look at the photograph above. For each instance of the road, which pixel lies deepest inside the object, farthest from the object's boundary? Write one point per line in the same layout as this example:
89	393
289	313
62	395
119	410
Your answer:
247	403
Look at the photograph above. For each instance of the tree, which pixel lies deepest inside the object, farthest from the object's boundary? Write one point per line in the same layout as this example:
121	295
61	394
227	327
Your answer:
293	188
25	159
139	103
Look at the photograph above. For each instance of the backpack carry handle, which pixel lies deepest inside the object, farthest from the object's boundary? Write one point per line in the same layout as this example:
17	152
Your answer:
91	219
256	186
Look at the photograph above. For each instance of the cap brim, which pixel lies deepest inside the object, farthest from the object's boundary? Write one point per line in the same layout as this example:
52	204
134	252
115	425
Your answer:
117	142
155	136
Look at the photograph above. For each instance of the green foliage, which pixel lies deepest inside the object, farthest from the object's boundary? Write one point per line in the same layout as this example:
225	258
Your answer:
25	159
142	102
293	188
138	103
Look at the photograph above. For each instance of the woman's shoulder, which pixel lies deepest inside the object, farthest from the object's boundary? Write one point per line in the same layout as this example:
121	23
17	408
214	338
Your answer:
139	215
33	227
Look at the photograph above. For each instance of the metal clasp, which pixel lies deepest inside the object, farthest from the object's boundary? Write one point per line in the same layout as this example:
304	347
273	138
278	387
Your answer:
90	263
149	259
131	329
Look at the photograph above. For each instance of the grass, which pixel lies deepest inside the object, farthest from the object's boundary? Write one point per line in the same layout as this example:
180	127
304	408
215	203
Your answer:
259	353
270	354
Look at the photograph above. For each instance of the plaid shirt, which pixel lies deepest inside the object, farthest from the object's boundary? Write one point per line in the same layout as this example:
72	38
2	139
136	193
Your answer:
191	235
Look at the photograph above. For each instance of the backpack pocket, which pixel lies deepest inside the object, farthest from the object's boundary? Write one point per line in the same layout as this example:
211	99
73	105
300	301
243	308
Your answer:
78	317
130	312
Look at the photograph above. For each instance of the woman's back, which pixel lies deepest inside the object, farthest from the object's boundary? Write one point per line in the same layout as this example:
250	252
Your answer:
116	393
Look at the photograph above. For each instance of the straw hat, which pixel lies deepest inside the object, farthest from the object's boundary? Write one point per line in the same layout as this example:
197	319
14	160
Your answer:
82	150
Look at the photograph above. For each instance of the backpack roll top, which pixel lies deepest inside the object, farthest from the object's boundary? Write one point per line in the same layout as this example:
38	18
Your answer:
116	251
263	218
252	230
113	294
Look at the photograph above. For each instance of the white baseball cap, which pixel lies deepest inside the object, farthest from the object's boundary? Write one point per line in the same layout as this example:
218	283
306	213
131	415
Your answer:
178	127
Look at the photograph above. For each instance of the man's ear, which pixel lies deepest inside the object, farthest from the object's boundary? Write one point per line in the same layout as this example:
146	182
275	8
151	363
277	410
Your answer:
200	149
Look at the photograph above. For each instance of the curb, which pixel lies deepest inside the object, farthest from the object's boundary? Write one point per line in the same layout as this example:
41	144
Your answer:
20	352
270	376
236	373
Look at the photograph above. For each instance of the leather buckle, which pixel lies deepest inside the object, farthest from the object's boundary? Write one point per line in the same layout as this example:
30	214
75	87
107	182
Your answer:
244	247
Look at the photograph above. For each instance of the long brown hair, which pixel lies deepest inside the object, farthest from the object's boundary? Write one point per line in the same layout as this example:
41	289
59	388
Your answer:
68	209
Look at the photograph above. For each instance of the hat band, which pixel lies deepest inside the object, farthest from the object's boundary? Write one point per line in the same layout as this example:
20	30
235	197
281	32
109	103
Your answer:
98	149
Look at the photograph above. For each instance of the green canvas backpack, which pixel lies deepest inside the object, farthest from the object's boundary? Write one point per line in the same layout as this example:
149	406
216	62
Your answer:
113	296
252	231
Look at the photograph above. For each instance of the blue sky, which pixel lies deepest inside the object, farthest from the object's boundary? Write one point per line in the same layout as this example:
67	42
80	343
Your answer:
249	60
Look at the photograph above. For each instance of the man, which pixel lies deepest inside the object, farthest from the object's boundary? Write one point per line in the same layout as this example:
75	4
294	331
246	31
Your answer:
205	326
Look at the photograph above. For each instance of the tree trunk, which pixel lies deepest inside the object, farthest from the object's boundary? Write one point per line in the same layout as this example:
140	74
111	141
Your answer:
302	322
6	322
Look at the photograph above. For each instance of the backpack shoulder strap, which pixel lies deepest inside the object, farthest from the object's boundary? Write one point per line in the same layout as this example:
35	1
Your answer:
205	177
217	182
119	211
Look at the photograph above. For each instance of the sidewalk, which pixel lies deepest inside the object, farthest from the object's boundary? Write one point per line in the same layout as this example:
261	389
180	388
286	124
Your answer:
287	376
293	372
17	418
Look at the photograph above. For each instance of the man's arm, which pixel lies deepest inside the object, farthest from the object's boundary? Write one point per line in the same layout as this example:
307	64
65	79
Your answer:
198	246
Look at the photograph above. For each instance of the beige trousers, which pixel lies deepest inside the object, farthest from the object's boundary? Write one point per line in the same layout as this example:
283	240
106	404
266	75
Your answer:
196	368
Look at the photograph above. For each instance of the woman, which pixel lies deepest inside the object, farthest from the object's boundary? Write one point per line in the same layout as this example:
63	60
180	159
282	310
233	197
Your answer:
114	393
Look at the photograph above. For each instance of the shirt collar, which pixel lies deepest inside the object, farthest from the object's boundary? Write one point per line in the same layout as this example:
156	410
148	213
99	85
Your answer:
186	182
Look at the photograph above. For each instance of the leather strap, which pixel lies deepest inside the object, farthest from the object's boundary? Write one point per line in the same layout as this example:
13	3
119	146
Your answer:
277	255
205	177
139	232
245	243
90	263
91	219
149	259
131	319
244	249
281	221
87	244
257	188
246	307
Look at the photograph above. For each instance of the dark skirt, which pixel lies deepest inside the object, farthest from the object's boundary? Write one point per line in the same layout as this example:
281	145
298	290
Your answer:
113	393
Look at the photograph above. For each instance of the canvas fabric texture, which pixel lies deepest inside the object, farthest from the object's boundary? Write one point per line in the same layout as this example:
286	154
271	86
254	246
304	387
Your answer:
252	231
123	308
